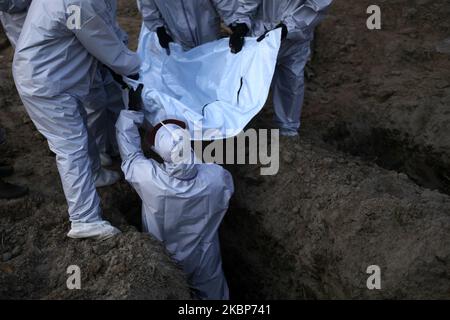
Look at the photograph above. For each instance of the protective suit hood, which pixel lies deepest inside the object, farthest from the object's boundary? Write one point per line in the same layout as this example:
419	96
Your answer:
181	171
169	145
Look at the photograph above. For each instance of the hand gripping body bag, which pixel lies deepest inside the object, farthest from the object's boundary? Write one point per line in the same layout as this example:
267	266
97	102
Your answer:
217	93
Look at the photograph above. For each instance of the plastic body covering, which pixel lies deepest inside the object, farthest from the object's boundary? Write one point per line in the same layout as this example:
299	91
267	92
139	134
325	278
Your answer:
53	70
208	86
190	23
300	17
183	206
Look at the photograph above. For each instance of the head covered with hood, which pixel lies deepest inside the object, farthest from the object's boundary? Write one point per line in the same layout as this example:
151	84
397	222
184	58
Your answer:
171	140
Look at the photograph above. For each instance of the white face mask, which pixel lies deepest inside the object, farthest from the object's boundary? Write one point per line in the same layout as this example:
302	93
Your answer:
173	144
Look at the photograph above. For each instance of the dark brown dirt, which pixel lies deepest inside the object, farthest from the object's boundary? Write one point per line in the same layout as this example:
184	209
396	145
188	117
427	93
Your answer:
356	189
385	95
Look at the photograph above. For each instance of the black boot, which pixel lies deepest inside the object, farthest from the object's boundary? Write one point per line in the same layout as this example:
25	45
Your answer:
6	171
9	191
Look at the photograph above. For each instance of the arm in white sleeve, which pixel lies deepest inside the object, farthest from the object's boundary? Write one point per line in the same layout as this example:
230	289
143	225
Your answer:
14	6
151	15
227	10
246	11
129	141
98	36
305	18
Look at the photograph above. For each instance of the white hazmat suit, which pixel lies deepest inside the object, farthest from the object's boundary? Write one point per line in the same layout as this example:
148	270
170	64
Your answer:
54	67
183	204
105	102
300	18
190	23
12	17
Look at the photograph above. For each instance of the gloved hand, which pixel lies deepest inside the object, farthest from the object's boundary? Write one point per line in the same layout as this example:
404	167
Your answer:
134	77
135	98
118	78
237	38
163	37
263	36
284	30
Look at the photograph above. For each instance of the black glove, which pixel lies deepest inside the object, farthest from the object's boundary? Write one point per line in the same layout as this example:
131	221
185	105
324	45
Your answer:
237	38
134	77
284	30
135	98
118	78
263	36
164	37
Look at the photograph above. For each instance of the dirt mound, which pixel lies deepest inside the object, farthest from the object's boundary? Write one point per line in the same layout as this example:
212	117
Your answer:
314	229
36	255
388	103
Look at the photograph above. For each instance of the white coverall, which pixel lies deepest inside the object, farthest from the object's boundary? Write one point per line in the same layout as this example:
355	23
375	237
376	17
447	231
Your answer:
12	17
190	23
105	100
183	205
54	67
300	17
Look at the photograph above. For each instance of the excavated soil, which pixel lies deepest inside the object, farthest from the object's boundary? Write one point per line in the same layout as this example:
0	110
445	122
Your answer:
366	184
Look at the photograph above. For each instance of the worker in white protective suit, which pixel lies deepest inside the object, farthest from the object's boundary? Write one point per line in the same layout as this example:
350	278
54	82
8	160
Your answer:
297	18
186	22
12	17
183	203
104	103
61	45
